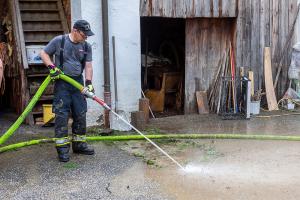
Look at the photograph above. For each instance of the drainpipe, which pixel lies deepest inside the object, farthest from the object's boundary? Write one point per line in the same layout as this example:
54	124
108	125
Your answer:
298	26
107	92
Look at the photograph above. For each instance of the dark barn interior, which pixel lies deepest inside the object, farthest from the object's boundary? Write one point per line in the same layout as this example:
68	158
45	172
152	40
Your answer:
163	41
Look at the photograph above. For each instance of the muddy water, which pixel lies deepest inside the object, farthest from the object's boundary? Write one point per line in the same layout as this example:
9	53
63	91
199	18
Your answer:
231	169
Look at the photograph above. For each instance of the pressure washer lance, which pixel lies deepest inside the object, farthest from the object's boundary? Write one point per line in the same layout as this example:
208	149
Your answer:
91	95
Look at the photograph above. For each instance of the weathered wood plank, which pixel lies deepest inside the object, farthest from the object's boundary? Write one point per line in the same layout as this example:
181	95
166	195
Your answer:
20	34
215	8
247	35
251	77
179	7
240	33
261	44
270	92
202	102
292	12
205	45
275	28
283	34
255	37
189	8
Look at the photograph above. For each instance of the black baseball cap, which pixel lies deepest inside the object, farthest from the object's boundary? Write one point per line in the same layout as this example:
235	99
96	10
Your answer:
83	26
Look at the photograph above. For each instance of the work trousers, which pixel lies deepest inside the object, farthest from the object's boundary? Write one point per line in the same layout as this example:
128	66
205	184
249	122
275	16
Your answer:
69	100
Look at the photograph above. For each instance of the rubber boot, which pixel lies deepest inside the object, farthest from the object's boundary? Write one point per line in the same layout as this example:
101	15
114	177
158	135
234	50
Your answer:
82	148
63	153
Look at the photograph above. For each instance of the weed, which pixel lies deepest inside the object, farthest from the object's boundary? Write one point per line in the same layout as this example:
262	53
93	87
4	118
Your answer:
150	162
138	154
153	131
71	165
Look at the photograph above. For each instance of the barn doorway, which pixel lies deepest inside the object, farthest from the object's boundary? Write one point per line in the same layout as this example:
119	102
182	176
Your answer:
163	64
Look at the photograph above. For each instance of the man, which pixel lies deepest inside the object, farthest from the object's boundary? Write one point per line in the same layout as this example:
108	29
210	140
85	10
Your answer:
72	55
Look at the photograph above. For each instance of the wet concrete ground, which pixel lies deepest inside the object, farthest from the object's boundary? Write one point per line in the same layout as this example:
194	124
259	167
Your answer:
282	123
216	169
234	169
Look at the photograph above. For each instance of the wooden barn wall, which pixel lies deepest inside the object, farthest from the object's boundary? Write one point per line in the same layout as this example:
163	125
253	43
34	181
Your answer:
205	46
188	8
67	9
263	23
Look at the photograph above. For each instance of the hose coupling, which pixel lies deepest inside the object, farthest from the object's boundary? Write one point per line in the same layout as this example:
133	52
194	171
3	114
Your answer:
88	93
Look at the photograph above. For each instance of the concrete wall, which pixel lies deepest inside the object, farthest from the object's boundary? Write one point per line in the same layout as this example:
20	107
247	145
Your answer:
122	15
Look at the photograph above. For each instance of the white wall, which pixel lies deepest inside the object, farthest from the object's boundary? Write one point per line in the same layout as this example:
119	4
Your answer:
124	24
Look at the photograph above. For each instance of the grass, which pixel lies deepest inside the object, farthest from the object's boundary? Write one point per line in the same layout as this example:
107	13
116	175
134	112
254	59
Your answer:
152	131
71	165
150	162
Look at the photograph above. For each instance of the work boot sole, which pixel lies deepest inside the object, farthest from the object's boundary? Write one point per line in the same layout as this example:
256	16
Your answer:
64	160
84	152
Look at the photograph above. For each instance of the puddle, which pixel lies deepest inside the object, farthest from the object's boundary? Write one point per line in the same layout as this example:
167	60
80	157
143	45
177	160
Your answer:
237	170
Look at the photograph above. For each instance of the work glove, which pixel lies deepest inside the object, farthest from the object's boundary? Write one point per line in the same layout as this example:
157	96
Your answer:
54	72
88	84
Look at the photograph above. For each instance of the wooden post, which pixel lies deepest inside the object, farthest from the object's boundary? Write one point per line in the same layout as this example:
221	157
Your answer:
251	78
144	106
242	71
138	120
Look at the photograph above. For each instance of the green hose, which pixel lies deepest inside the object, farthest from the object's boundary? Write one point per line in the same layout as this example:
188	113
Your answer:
27	110
32	103
71	81
170	136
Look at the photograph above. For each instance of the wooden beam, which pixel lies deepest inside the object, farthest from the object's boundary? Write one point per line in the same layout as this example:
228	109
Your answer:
21	34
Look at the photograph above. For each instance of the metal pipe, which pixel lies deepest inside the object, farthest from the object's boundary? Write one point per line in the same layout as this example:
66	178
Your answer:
115	73
107	92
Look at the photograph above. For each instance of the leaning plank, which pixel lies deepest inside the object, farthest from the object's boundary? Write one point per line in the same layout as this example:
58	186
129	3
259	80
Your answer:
202	102
20	33
270	92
